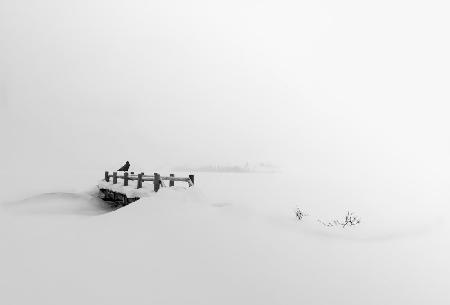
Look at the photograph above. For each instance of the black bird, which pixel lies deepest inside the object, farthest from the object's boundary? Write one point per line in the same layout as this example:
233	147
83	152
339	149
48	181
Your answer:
125	167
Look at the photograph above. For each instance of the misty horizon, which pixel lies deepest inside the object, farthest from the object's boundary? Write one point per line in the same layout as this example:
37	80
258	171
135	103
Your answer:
303	84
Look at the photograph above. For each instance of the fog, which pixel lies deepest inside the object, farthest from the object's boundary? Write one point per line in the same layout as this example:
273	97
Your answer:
350	90
350	99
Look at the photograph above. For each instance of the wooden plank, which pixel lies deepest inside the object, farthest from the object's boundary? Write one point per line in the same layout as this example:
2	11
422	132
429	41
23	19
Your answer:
164	178
125	179
143	176
139	181
151	177
174	178
156	182
172	182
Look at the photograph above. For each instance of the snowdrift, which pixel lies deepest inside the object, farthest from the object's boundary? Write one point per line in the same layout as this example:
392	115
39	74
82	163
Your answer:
213	245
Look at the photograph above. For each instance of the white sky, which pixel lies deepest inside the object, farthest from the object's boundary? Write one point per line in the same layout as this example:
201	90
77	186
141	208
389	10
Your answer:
326	86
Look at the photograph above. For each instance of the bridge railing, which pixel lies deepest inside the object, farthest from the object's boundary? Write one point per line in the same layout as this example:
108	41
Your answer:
158	180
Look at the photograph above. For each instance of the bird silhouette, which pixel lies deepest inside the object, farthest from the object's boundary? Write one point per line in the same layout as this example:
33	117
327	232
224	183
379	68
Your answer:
125	167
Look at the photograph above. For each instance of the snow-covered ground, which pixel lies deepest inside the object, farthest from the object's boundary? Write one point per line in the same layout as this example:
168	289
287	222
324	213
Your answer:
231	239
351	96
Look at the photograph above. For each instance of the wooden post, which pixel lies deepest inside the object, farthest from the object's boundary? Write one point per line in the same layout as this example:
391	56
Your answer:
114	177
156	182
192	178
171	182
125	179
107	176
139	181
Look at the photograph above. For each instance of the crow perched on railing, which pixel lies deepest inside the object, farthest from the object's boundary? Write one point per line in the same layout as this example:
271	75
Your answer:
125	167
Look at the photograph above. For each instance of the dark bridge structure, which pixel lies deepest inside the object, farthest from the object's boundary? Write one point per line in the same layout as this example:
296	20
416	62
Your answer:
121	194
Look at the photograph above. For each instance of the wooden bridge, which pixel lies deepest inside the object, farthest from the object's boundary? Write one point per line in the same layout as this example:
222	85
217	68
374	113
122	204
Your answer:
120	193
